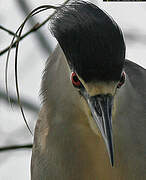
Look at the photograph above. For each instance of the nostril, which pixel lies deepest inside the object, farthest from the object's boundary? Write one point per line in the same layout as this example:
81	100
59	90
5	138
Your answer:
97	108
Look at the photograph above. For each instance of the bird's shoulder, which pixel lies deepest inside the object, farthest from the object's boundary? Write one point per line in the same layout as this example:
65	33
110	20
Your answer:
137	76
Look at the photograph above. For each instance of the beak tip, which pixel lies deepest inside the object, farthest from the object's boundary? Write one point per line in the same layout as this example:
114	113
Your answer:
110	150
111	154
112	162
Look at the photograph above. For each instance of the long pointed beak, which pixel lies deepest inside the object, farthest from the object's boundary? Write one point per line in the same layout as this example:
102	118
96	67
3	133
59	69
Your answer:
101	109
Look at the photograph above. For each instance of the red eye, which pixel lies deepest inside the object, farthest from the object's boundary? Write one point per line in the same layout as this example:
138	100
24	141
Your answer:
122	80
75	80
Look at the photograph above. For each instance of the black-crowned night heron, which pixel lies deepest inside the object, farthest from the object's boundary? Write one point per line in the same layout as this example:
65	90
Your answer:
94	103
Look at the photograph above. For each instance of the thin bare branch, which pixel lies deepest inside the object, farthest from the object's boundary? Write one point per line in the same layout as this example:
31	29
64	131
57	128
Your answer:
7	30
26	104
33	29
15	147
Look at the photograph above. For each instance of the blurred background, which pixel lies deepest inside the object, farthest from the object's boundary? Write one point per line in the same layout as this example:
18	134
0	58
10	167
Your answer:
33	53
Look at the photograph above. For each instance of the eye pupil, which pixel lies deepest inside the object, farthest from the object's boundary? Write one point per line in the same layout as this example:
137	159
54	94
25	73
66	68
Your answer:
75	78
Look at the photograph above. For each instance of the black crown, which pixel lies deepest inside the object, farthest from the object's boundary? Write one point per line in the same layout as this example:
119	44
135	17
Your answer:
91	40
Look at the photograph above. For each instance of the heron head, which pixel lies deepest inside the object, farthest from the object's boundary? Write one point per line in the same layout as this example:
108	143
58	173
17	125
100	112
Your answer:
95	51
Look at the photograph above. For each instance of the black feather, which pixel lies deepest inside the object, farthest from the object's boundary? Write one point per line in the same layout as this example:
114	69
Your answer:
91	40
